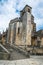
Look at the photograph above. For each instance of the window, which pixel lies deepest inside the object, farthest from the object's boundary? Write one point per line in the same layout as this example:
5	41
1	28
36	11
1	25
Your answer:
18	30
28	10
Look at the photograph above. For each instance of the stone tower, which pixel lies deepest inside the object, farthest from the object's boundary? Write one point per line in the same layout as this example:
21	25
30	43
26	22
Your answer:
26	23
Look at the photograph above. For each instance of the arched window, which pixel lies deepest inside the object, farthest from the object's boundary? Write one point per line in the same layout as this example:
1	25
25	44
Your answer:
29	10
18	30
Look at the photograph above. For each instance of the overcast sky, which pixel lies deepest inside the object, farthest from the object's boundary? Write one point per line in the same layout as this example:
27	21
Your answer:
10	9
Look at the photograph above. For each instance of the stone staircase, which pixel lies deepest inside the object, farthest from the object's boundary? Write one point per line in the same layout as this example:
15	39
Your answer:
8	47
16	52
20	50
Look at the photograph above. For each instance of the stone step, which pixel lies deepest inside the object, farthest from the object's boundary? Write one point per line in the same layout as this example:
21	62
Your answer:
20	50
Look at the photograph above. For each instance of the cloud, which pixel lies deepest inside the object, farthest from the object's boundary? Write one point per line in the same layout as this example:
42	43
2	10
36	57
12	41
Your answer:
10	9
7	12
39	23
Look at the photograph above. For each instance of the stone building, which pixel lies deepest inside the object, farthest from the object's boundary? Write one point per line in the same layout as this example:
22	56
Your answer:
22	34
22	30
40	38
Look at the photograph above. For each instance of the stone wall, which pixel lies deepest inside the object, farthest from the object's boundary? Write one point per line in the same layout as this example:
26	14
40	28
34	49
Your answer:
4	56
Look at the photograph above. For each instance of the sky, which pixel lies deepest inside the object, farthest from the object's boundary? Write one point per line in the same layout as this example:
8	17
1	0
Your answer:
10	9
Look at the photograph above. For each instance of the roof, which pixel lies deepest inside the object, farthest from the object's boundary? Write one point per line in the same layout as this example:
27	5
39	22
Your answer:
28	6
15	20
25	7
40	33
